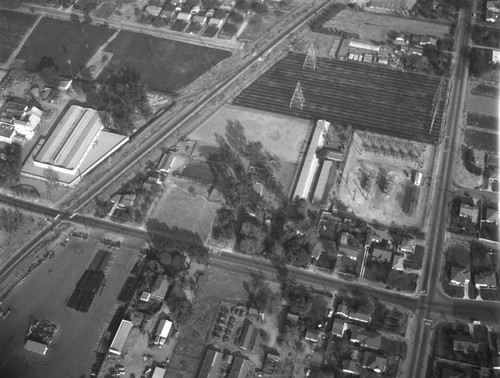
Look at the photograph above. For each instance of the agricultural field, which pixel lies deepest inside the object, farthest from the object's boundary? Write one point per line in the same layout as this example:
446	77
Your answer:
482	121
164	65
374	27
13	27
48	287
365	96
482	105
282	136
376	182
52	37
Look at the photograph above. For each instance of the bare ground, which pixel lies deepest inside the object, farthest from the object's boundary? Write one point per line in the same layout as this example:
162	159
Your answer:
463	177
371	26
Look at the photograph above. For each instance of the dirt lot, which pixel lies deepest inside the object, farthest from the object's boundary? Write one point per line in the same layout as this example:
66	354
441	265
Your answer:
42	295
214	286
374	27
165	65
51	36
279	135
483	105
12	29
361	187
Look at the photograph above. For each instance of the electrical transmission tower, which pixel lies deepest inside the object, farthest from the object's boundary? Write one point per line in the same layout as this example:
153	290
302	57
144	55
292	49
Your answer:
298	99
311	61
436	101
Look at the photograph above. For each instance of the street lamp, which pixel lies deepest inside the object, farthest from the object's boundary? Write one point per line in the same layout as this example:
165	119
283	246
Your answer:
70	69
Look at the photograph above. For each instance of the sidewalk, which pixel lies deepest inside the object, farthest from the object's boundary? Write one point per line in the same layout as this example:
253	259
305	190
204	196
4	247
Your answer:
9	61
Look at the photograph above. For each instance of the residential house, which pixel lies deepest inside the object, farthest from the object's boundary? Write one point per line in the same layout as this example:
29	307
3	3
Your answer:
408	245
464	343
253	312
160	288
152	10
210	12
491	216
64	84
35	346
338	327
374	362
166	162
127	200
195	9
312	335
491	16
368	339
415	39
184	16
342	310
145	296
402	38
398	262
416	50
486	280
426	40
459	276
168	10
25	119
7	133
348	251
350	367
199	19
360	315
469	211
381	254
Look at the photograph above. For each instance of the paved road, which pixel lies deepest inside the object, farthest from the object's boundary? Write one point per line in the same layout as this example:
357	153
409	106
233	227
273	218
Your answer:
65	14
429	280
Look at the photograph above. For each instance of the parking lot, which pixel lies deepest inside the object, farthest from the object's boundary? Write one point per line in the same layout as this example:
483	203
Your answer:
43	295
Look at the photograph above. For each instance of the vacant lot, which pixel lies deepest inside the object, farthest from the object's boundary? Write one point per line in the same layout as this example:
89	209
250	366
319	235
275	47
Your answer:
482	140
184	205
42	295
259	24
482	121
377	186
375	27
13	26
366	96
483	105
52	37
280	135
163	64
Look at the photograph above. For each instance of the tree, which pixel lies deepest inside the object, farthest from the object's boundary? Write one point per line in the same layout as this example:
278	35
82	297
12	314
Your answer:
159	22
392	35
49	71
478	62
299	298
296	250
10	164
181	309
223	228
251	238
52	182
86	18
74	17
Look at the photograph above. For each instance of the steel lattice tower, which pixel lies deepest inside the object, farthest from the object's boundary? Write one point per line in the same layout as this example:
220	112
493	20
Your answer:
311	61
298	99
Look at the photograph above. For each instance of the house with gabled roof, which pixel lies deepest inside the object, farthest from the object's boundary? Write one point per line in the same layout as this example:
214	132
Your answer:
374	362
459	276
486	280
312	335
381	254
338	327
369	339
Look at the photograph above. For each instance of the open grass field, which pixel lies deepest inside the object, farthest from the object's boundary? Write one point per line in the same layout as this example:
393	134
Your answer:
368	97
377	186
483	105
52	36
164	65
374	27
180	209
482	140
43	294
13	26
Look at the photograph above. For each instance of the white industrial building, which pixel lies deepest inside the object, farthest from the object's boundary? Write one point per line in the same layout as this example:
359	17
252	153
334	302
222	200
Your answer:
75	146
308	171
364	46
120	337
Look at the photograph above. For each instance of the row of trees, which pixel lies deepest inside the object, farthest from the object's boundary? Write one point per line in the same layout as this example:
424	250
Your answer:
10	164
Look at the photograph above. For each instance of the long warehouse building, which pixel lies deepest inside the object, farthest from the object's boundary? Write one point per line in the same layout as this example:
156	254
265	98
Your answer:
120	337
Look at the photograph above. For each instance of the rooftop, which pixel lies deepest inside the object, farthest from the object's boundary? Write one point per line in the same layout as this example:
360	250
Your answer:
71	139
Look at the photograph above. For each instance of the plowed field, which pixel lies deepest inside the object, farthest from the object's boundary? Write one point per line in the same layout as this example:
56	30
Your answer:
366	96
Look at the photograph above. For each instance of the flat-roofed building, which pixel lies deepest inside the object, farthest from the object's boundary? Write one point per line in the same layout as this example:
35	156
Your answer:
120	337
159	372
319	191
7	133
70	141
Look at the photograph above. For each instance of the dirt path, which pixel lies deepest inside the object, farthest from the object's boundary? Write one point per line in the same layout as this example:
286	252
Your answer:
12	57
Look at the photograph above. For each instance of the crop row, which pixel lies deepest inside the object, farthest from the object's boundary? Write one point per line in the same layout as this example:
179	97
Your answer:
366	96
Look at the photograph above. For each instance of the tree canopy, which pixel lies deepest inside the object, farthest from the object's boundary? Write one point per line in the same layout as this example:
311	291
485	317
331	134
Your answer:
10	164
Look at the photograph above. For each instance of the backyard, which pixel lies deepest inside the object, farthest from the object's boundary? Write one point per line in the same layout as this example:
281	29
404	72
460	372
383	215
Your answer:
164	65
63	41
13	26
